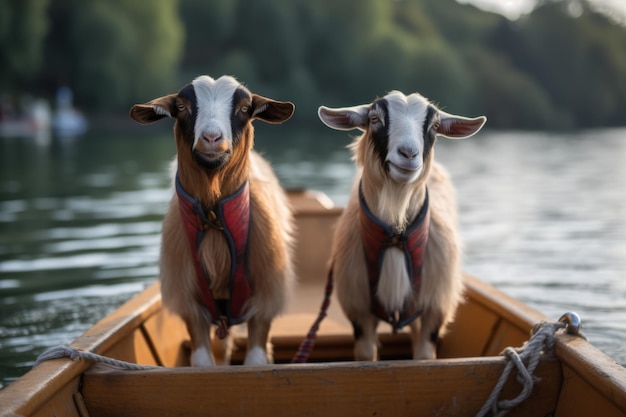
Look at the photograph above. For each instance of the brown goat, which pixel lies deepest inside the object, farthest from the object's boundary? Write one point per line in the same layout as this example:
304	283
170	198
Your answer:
226	240
396	253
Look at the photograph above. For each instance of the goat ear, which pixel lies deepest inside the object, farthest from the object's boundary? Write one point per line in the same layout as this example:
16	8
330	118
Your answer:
271	111
459	127
154	110
345	118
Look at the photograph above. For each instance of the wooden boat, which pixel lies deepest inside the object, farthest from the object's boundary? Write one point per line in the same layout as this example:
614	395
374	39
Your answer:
577	380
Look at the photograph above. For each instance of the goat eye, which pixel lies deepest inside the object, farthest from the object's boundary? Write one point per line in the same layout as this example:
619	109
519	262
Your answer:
374	119
181	107
244	109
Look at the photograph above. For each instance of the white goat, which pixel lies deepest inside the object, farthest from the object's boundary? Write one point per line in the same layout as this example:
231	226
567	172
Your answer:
226	242
396	254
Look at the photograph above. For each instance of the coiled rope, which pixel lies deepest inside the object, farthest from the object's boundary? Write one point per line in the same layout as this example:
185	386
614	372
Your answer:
64	351
542	340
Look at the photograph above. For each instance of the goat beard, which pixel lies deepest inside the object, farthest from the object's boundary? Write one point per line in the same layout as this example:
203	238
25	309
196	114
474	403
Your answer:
211	164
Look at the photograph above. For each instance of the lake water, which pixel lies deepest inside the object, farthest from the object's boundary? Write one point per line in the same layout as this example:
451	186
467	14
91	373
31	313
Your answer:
543	218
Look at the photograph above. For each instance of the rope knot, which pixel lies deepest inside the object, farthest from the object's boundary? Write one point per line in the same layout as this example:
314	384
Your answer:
525	361
58	352
64	351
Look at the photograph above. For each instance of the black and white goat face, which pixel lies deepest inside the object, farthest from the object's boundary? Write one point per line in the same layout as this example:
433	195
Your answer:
401	130
213	116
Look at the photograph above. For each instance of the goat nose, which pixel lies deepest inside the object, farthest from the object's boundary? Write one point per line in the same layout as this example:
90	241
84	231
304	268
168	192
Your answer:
212	137
408	153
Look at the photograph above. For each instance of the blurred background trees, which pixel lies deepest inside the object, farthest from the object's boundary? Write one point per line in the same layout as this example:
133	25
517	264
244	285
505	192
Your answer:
561	67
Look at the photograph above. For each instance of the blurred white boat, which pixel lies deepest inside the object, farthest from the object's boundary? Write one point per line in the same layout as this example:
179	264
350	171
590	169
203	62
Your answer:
67	120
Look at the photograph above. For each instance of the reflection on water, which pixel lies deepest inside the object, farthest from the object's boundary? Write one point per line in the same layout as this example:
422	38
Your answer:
542	217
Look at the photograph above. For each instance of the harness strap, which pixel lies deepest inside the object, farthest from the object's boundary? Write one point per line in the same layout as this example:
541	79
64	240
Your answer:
231	215
377	238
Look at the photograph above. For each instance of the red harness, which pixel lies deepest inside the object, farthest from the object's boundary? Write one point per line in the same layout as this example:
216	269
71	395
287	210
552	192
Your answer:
377	238
231	215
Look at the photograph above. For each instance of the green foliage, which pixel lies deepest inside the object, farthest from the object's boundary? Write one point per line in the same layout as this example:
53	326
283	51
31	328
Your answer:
560	67
131	51
578	60
510	97
208	26
23	26
110	52
549	70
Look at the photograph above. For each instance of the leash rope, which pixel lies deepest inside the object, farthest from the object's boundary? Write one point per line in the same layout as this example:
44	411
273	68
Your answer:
64	351
304	351
542	337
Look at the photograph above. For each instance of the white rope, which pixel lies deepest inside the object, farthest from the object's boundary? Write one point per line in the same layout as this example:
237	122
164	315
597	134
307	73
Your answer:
64	351
531	351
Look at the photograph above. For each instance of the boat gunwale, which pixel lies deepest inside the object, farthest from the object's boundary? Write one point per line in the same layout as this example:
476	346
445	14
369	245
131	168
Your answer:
594	367
28	393
588	362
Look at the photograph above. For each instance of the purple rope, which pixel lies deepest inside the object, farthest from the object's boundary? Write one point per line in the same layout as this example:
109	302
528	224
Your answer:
304	351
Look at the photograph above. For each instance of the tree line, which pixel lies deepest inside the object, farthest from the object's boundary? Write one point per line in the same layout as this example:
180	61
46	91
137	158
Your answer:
561	67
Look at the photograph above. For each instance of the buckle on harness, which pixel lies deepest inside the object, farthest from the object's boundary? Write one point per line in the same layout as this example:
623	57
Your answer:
213	222
222	328
393	319
396	240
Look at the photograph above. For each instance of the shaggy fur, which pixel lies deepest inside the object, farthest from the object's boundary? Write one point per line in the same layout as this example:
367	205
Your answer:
214	139
395	163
